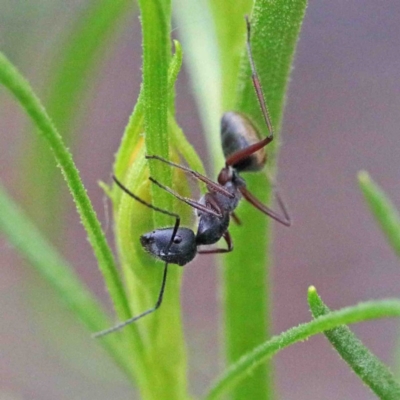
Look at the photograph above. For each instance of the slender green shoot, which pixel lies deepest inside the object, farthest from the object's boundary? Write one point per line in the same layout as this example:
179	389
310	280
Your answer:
366	365
382	209
349	315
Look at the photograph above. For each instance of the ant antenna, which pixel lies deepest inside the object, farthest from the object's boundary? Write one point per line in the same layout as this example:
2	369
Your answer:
164	278
257	83
131	320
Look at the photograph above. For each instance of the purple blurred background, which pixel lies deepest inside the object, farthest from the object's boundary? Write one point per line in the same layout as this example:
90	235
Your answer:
342	115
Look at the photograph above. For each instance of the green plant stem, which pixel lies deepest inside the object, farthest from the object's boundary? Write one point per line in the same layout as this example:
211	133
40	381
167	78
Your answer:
367	366
349	315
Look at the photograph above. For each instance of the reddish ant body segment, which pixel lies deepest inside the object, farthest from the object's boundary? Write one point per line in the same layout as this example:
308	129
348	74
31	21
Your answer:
244	152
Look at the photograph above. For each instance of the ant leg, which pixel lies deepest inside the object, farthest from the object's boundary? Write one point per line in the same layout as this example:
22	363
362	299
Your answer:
248	151
190	202
211	185
228	241
284	220
236	219
257	83
145	203
134	319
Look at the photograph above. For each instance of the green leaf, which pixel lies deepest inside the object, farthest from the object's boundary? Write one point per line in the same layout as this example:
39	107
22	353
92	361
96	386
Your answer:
369	368
349	315
275	27
197	34
131	141
382	209
21	89
159	342
184	148
155	17
49	263
143	274
230	34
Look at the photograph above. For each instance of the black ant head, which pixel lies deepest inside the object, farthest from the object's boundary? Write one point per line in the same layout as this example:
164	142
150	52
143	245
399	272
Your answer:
182	250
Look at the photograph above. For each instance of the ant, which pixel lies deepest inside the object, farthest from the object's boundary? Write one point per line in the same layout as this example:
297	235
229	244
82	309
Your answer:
244	152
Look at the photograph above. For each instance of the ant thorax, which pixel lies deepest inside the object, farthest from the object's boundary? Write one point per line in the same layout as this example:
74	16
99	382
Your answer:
211	228
230	204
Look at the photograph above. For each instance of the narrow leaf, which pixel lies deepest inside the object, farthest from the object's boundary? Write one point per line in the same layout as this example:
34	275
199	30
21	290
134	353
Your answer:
366	365
49	263
21	89
194	24
275	28
349	315
382	209
159	342
131	141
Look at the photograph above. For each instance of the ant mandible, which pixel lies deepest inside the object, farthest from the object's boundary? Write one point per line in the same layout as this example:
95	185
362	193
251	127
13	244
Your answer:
244	152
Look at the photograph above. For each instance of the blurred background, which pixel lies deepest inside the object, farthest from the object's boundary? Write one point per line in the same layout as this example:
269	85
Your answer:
342	115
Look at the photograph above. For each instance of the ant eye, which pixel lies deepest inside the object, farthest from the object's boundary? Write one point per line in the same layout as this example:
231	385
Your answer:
177	239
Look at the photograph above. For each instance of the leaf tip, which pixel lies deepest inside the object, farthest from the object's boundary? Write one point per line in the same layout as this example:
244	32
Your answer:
106	188
312	290
363	177
177	46
312	294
